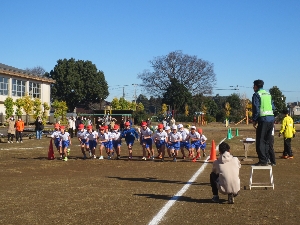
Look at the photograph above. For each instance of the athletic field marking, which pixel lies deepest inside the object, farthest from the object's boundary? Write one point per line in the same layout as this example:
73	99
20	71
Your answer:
5	149
159	216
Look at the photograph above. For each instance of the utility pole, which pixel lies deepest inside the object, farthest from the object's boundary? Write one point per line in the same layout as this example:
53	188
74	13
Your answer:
135	97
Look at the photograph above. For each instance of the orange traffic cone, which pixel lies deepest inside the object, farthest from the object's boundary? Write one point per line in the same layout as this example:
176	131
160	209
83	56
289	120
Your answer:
213	155
50	151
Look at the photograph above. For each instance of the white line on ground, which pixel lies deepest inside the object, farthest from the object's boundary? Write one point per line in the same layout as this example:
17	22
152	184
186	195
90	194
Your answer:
159	216
5	149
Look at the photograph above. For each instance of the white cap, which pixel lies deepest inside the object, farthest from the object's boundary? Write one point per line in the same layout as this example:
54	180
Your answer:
180	126
167	128
174	127
193	127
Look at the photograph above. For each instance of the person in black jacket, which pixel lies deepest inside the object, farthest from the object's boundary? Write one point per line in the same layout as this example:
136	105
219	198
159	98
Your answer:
77	122
39	127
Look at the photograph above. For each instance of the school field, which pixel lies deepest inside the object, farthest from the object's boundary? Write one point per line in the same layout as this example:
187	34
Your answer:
34	190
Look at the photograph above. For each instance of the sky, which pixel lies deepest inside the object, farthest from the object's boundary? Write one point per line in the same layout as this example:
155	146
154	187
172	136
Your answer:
245	40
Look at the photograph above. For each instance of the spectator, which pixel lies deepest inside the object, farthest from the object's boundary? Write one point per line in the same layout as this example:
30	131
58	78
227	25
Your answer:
122	124
98	123
77	123
225	174
70	126
19	129
148	121
288	131
11	130
39	127
172	121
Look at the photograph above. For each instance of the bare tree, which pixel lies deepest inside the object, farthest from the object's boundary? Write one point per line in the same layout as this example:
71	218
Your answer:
37	70
195	74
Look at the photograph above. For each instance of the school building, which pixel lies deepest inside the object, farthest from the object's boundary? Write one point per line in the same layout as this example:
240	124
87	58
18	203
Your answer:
15	83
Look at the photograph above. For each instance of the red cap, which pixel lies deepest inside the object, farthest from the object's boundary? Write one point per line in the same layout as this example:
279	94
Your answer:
199	131
160	126
62	127
81	126
89	127
56	125
116	127
143	124
127	124
102	128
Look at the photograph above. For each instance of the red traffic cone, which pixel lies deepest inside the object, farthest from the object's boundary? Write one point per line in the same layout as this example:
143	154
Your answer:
50	151
213	155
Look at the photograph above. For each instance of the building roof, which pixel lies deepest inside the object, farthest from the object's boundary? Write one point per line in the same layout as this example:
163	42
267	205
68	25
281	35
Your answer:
9	70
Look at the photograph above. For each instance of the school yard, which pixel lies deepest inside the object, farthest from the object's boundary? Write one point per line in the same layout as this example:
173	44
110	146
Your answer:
34	190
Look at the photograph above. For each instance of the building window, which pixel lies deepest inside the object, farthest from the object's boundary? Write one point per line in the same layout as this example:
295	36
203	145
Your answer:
18	88
35	90
3	86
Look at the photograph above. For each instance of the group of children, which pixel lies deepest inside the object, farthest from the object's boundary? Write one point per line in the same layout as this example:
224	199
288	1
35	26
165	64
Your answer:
172	139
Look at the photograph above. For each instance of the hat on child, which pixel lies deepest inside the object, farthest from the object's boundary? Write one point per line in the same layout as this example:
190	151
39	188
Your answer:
180	126
174	127
167	128
160	126
193	127
89	127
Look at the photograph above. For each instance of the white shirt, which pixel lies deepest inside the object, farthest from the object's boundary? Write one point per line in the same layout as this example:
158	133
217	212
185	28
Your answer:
196	135
160	135
184	134
202	138
92	136
103	137
65	136
115	135
82	134
146	133
55	134
174	136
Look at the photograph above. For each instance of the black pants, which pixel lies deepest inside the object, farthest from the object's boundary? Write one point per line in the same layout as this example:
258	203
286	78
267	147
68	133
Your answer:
287	143
19	135
263	140
71	132
271	151
10	137
213	183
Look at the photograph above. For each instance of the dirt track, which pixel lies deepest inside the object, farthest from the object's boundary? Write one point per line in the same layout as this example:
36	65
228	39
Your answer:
35	190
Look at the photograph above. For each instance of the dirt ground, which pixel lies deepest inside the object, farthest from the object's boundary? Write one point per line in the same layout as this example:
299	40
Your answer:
34	190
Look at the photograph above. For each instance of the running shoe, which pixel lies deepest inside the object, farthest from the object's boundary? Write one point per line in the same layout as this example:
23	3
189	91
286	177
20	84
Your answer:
215	198
174	160
65	159
144	158
101	157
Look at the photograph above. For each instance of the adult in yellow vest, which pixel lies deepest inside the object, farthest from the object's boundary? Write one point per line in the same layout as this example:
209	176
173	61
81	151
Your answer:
263	120
288	130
